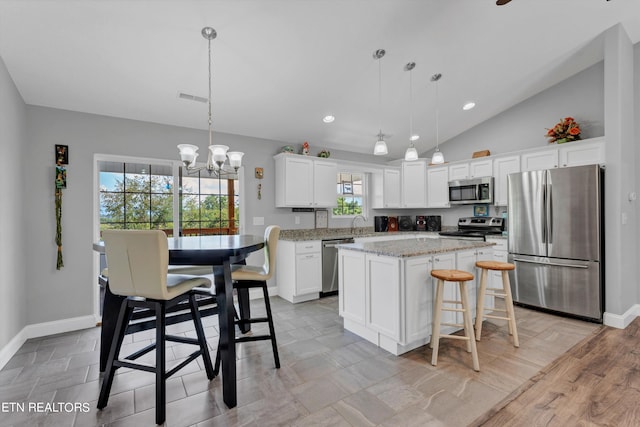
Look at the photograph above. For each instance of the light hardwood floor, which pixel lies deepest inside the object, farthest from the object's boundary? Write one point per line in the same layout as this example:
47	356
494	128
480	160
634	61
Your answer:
329	377
596	383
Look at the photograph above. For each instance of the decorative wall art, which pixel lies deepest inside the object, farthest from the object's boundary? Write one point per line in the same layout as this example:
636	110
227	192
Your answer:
60	181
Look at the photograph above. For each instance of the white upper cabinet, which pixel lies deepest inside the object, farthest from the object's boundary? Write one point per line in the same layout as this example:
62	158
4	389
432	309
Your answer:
414	184
438	187
582	153
472	169
324	183
502	167
305	182
480	168
459	171
538	160
385	189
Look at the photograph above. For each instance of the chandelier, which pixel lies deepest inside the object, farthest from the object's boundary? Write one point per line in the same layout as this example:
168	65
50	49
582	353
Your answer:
218	154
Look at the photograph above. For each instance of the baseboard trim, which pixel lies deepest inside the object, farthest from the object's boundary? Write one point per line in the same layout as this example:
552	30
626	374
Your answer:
43	329
621	321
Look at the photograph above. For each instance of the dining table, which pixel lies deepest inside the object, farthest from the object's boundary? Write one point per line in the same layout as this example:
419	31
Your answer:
219	252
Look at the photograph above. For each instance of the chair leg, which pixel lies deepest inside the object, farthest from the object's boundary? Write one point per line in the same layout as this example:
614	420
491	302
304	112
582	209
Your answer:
272	331
508	299
468	325
161	374
437	314
481	297
114	351
197	322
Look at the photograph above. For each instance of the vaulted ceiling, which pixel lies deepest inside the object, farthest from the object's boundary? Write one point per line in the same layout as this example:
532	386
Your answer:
279	66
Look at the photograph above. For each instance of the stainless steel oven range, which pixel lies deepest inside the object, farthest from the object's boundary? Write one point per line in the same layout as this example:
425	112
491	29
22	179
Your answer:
475	228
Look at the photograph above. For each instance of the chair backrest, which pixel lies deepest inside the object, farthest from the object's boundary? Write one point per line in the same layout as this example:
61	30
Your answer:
138	261
271	236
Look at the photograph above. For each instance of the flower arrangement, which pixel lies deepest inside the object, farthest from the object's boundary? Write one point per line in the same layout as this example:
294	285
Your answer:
324	154
565	130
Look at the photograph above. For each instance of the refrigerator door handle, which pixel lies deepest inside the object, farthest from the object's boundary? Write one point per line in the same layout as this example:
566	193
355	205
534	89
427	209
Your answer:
554	264
549	213
544	211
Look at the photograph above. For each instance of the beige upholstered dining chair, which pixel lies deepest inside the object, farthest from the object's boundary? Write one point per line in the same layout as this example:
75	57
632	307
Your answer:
248	277
138	264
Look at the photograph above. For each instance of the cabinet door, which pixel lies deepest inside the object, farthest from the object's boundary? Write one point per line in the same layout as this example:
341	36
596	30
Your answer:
502	168
459	171
296	183
480	168
308	273
438	187
466	261
446	262
324	183
383	295
414	184
539	160
391	184
351	282
581	153
418	299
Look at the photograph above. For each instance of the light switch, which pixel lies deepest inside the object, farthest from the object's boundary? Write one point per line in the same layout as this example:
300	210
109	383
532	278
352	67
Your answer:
624	218
258	220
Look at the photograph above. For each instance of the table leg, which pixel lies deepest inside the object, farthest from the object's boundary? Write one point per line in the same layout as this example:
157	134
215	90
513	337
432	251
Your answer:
224	295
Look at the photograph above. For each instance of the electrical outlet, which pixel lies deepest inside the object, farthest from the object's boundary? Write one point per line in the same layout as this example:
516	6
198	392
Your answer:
258	220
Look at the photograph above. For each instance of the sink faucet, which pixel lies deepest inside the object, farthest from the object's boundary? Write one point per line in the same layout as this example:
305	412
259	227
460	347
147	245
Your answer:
353	222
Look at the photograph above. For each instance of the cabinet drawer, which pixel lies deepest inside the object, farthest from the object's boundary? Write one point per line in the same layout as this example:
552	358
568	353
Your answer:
308	247
501	244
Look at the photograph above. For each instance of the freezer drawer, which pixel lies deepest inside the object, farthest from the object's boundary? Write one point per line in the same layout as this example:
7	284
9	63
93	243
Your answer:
568	286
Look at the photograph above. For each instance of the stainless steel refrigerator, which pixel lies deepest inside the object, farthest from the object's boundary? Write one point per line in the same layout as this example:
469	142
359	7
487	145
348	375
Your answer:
555	226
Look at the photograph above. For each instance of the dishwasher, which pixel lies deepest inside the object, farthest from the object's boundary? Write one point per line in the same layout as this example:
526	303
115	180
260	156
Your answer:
330	265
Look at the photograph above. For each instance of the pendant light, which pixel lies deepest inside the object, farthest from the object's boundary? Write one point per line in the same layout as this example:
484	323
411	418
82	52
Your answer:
380	149
411	154
218	154
438	157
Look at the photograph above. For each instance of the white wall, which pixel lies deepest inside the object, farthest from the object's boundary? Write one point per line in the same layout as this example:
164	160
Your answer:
13	284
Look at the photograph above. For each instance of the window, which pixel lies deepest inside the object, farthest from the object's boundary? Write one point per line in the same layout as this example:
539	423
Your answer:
141	196
209	205
136	196
350	192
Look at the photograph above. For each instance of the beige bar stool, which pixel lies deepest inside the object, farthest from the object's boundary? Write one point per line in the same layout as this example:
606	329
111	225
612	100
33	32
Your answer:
462	277
505	292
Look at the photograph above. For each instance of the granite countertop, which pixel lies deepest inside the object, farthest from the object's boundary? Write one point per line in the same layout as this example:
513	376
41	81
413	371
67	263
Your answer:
341	233
415	246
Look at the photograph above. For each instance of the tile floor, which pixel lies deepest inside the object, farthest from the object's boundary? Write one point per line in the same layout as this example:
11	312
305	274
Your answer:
329	377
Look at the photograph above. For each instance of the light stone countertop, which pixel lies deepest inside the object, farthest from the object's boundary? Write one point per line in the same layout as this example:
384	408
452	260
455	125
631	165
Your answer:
341	233
415	246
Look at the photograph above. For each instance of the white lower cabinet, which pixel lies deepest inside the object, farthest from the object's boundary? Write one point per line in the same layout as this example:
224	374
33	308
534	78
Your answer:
299	272
486	254
382	290
446	262
466	261
351	298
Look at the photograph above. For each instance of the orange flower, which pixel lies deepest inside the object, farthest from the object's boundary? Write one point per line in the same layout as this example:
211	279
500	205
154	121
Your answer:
574	131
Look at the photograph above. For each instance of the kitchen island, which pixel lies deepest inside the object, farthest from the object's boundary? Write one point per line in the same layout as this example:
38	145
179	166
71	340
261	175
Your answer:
386	292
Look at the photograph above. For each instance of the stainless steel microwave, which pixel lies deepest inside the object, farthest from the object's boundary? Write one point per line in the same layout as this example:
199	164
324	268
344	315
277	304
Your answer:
469	191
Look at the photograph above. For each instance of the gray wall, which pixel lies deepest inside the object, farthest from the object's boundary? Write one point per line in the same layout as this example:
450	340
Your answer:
13	283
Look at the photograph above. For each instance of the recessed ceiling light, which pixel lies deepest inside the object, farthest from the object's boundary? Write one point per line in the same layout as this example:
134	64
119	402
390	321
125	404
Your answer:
468	106
328	119
414	137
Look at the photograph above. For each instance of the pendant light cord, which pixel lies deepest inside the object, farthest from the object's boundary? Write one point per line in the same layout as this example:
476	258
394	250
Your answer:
437	118
380	93
411	105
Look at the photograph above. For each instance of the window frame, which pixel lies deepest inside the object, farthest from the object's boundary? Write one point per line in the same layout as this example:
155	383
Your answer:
365	195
